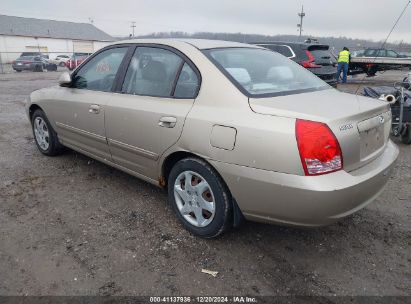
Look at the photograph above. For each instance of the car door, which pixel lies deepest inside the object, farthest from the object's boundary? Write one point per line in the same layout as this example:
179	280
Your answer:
147	115
79	109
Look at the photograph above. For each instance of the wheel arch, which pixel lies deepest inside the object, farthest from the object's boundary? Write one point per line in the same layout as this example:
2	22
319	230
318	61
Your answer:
33	108
169	162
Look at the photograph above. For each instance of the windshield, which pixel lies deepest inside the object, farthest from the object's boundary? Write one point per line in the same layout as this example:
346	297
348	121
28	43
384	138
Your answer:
263	73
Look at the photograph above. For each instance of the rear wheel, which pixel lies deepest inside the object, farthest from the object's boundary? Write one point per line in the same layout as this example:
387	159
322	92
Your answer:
44	135
51	67
38	68
200	198
406	137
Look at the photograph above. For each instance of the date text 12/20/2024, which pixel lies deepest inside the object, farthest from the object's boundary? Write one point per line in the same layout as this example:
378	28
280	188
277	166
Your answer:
203	299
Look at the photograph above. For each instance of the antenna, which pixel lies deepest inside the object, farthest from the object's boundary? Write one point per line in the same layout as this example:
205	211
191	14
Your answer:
133	26
301	15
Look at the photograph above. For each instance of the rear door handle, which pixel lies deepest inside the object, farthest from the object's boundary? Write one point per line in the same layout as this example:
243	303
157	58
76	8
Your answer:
94	109
167	122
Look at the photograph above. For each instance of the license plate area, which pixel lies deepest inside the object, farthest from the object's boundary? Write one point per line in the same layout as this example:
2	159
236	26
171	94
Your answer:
371	141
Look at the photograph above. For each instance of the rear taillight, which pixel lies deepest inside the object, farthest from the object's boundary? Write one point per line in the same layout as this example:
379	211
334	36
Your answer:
320	151
310	62
27	62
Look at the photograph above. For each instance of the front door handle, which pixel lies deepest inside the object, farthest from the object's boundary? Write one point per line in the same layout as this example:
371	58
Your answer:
94	109
167	122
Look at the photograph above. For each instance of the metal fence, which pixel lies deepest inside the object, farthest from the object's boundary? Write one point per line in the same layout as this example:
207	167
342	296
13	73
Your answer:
10	63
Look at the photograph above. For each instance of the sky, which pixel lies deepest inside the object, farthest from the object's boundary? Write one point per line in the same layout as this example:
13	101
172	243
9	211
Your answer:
368	19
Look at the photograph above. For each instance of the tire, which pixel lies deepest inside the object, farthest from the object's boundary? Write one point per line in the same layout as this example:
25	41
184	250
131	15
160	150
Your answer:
38	68
18	71
406	137
51	68
62	64
206	190
44	135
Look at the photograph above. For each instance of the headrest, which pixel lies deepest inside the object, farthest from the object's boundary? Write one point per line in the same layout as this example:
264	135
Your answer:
154	71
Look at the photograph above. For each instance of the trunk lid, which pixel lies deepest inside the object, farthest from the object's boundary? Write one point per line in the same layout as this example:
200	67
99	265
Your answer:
362	125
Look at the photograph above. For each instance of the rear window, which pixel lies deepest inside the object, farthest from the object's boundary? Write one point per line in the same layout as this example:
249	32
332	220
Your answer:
321	54
262	73
28	54
26	58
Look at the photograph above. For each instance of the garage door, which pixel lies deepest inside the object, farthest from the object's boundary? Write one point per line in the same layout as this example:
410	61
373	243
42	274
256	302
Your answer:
83	46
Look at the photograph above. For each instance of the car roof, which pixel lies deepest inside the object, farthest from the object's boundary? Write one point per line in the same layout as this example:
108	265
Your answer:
201	44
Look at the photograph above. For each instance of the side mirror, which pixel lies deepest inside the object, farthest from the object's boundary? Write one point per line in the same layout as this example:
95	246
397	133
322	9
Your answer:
65	79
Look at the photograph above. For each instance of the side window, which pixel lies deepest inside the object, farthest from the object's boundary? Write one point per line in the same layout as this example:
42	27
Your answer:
187	84
370	53
285	50
381	53
99	73
152	72
391	53
282	49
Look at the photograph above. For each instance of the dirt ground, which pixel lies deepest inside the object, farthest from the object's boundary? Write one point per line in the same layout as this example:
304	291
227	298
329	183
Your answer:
73	226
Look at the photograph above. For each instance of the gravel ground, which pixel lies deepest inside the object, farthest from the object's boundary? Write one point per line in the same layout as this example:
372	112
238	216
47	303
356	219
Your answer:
70	225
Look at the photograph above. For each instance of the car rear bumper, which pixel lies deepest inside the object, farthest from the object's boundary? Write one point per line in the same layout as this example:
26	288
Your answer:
22	67
311	201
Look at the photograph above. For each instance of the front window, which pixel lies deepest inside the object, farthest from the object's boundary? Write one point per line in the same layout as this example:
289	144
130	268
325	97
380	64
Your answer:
99	73
263	73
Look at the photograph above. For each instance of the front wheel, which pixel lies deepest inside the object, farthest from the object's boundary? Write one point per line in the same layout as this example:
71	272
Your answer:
44	135
200	198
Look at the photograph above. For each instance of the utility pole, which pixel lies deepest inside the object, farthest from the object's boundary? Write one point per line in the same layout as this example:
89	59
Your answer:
301	15
133	26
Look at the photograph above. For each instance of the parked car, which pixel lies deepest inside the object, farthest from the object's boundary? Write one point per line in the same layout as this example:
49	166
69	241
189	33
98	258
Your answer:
60	60
34	54
315	57
32	63
378	62
370	52
230	129
76	60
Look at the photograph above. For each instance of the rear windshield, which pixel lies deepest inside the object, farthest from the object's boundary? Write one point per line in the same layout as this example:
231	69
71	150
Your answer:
321	54
26	58
28	54
263	73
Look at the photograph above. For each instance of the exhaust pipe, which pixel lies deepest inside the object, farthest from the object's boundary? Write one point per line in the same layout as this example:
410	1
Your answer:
388	98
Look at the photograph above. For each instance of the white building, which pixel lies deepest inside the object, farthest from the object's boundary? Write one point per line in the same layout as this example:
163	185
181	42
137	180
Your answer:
18	34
